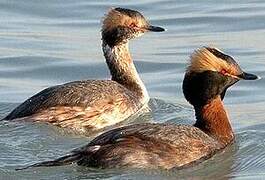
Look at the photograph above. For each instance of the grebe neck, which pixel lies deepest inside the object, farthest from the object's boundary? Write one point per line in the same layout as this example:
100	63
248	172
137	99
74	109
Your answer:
213	120
122	69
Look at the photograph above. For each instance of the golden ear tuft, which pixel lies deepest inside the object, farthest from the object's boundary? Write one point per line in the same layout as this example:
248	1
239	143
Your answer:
203	60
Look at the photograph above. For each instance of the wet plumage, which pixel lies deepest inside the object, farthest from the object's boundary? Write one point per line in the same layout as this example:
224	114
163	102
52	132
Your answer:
148	146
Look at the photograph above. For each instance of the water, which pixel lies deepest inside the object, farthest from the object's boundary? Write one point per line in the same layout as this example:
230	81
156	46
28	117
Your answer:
43	43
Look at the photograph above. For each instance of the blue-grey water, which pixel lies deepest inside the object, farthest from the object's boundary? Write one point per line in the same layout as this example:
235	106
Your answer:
44	43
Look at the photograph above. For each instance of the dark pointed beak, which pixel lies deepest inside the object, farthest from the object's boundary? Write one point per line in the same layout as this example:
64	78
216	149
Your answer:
155	28
248	76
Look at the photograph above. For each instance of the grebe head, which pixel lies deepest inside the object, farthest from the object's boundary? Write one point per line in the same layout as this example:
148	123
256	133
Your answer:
209	75
121	25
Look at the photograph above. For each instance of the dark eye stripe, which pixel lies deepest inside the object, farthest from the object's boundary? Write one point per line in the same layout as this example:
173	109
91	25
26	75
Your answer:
222	56
218	54
129	12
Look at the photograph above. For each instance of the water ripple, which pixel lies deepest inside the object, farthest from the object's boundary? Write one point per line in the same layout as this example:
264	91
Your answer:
52	42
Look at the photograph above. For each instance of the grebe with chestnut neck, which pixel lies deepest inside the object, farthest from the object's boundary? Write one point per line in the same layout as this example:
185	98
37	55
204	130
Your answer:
209	75
90	105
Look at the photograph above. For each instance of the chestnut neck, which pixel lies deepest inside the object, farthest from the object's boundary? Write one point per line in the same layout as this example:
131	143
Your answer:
122	69
213	120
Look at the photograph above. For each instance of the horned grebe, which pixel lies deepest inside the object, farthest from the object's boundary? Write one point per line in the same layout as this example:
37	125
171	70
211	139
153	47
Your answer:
89	105
148	145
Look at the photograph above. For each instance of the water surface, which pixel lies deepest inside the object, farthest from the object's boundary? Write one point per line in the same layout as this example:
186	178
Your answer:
44	43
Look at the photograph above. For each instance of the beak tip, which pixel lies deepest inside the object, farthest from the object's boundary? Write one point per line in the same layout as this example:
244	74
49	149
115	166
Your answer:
248	76
155	29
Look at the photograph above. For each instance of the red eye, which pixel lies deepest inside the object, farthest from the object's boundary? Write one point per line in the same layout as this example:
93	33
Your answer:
223	71
133	25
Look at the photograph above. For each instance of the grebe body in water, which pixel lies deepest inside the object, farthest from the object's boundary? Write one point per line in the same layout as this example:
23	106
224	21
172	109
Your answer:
90	105
209	75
